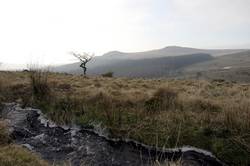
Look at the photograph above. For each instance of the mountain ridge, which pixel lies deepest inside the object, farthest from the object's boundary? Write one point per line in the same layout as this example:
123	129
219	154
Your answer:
119	62
170	51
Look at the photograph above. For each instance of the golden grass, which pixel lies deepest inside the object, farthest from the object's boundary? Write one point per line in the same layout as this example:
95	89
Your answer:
207	114
4	136
12	155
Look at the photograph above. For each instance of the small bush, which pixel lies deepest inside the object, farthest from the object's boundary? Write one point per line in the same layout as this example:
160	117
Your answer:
163	99
108	74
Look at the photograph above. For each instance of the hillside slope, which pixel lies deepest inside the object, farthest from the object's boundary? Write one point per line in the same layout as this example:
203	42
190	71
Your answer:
236	60
233	67
170	51
114	57
154	67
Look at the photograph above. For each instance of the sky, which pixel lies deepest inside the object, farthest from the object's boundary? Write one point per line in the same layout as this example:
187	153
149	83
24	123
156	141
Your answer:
45	31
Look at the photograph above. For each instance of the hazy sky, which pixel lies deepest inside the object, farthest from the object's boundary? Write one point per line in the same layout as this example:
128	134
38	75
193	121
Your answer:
45	31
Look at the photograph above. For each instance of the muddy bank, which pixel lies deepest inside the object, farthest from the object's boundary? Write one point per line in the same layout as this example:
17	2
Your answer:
81	146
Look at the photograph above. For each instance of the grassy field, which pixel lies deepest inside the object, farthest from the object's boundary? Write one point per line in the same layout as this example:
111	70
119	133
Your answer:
212	115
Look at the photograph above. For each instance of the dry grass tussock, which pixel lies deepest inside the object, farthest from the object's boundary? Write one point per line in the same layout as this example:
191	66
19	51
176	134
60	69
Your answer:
210	115
4	136
12	155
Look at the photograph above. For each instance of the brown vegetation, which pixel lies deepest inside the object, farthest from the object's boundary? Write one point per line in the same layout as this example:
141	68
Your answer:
209	115
12	155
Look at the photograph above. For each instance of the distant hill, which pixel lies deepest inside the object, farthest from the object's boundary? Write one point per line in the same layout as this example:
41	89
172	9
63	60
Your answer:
151	63
226	62
151	67
169	51
232	67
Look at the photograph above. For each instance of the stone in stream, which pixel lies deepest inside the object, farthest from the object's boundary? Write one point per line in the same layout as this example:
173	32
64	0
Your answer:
79	146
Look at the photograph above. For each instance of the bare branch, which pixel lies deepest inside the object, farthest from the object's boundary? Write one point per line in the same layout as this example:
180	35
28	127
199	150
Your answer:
84	58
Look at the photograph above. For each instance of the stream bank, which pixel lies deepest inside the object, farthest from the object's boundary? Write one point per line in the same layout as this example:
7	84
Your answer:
83	146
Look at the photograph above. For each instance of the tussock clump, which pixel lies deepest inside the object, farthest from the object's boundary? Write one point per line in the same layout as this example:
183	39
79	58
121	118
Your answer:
12	155
39	84
63	110
102	99
163	99
236	117
4	136
199	105
64	86
109	107
21	93
98	84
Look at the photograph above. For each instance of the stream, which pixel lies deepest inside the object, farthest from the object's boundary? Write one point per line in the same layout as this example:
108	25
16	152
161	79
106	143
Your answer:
83	146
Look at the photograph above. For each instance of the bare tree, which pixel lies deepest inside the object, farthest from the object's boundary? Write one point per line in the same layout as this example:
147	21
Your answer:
84	59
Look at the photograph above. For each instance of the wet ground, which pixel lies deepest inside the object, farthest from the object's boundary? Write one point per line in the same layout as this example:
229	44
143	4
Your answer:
80	146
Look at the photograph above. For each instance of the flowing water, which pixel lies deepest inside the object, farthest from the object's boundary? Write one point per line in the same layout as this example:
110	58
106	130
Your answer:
80	146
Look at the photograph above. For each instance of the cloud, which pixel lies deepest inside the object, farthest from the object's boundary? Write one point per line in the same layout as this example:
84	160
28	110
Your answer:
48	30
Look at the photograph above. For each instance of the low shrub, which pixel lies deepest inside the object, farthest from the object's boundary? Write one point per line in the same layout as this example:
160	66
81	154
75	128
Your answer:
108	74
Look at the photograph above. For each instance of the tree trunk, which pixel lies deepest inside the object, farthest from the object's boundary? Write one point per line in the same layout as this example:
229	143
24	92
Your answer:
84	70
